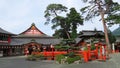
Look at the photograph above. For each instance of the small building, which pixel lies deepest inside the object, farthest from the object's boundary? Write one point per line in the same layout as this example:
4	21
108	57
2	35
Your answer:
30	39
5	40
90	36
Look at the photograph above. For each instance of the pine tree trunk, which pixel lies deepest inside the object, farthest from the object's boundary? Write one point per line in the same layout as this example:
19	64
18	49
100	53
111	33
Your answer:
68	35
108	46
102	12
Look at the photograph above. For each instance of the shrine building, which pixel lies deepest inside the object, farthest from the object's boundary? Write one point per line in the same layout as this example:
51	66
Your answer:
16	44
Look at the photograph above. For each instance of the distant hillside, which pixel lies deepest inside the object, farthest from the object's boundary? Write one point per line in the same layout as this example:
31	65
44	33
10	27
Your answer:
116	32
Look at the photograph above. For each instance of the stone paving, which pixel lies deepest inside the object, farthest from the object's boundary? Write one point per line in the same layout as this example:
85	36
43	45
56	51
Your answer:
20	62
116	59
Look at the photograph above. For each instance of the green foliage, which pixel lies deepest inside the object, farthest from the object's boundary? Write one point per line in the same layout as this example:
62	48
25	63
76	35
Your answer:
74	48
74	17
93	47
60	33
67	25
113	19
61	47
114	15
57	46
71	54
73	59
108	7
59	58
69	58
53	10
85	48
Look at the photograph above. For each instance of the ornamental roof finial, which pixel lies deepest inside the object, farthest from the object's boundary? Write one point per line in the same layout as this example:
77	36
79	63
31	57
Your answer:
33	24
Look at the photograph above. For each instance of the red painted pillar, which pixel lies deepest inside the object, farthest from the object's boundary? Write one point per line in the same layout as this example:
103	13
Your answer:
9	39
44	52
85	56
96	53
52	53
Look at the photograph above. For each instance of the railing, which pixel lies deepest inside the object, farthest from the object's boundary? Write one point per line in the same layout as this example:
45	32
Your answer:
49	54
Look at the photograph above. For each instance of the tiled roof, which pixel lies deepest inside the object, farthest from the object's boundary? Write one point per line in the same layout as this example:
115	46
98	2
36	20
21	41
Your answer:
4	31
45	41
25	35
32	31
90	33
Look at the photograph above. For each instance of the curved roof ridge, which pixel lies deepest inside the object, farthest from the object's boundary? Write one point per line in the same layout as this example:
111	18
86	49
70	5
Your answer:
33	31
32	27
5	32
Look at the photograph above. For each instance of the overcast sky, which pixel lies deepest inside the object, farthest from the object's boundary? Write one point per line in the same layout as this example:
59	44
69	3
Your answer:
18	15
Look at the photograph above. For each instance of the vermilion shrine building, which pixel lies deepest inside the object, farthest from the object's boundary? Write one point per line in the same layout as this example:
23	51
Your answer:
16	44
12	44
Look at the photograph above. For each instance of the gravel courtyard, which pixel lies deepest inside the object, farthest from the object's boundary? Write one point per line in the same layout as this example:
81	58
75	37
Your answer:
20	62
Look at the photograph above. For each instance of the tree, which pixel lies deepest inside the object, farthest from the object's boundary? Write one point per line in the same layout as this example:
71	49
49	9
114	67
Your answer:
100	8
52	11
114	14
75	20
67	25
60	34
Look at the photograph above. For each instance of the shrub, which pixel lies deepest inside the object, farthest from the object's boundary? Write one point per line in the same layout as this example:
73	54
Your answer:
77	57
39	56
31	58
71	60
57	47
35	57
70	54
93	47
59	58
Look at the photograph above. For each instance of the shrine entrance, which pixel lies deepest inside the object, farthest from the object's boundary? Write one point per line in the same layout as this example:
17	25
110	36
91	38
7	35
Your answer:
32	46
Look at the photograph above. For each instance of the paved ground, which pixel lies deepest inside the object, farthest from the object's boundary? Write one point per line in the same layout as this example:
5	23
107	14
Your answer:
20	62
116	59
